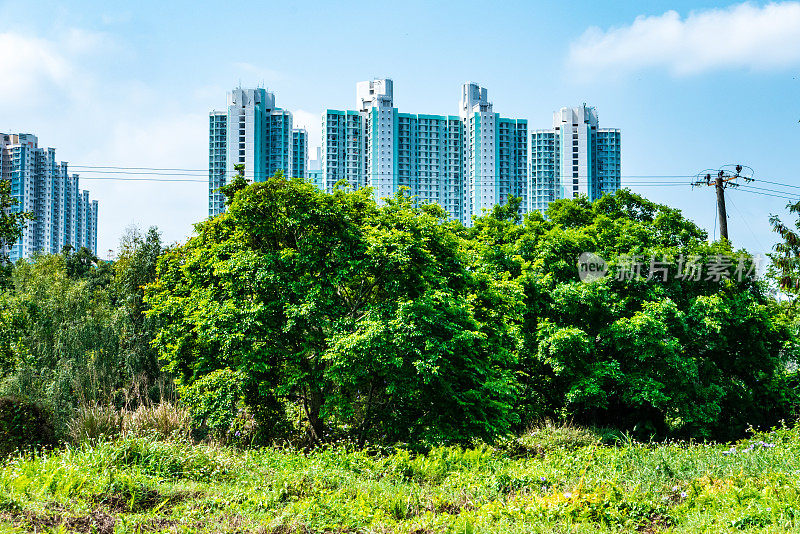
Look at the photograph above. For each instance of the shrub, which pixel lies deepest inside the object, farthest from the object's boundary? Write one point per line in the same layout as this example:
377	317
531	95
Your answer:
23	424
166	420
215	402
549	436
95	422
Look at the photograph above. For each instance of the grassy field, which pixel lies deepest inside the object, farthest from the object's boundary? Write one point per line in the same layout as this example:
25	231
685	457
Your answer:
554	479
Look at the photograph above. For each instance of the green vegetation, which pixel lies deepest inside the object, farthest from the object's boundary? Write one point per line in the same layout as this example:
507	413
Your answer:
320	363
344	319
553	479
73	335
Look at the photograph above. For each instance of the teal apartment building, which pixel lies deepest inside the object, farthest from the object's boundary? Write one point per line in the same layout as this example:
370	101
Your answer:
257	134
466	163
63	214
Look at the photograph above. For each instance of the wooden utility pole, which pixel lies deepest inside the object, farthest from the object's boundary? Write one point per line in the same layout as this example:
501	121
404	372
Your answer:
723	179
723	216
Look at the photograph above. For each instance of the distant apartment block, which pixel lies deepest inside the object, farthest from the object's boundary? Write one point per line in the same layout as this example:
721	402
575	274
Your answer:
466	163
575	158
255	133
315	175
64	215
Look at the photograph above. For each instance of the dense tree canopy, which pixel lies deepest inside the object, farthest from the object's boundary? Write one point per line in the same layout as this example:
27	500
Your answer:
363	316
702	357
391	323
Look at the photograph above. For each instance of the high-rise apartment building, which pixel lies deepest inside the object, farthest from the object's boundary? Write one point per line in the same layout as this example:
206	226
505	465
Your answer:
64	215
299	153
466	162
575	158
257	134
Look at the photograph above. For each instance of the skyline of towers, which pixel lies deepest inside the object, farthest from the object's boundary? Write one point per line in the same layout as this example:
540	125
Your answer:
467	163
64	215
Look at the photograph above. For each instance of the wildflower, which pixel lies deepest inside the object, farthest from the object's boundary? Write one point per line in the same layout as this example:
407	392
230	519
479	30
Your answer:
683	495
675	488
732	450
238	433
568	495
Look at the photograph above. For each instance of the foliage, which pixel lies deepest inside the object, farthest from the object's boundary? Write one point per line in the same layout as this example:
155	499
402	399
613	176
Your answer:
786	259
215	402
23	425
363	317
308	318
73	333
575	485
701	358
12	221
134	268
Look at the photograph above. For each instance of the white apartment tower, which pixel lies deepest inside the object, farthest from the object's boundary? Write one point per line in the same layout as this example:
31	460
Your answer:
575	158
466	163
375	103
255	133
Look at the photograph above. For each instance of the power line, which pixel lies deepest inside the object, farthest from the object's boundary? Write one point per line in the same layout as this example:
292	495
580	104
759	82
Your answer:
768	195
767	189
778	183
120	179
744	220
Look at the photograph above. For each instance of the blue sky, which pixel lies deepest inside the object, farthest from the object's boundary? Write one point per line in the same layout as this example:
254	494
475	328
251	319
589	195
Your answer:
692	85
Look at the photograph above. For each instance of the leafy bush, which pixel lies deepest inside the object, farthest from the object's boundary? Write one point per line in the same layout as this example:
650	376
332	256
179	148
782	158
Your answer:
23	424
95	422
216	404
550	436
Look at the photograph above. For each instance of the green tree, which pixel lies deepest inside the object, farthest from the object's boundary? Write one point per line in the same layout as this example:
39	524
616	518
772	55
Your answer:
694	358
134	268
361	316
785	266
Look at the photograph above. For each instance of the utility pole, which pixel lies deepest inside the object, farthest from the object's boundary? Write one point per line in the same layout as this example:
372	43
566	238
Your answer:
725	177
723	215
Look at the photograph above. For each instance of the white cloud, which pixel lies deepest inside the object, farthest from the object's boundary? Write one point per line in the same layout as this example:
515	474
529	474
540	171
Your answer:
34	65
740	36
35	70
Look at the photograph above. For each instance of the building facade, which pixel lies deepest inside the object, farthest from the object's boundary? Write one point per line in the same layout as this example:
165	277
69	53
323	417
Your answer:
63	214
575	158
255	133
466	163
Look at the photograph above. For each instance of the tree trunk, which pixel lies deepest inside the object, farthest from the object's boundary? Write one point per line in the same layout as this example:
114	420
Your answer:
316	426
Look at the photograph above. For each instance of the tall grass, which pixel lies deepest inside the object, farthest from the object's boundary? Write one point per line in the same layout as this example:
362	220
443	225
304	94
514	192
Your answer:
165	420
95	422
